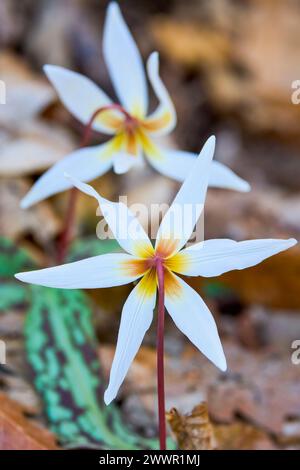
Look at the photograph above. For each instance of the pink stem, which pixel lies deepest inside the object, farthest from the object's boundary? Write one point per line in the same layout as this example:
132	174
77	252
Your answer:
160	355
67	232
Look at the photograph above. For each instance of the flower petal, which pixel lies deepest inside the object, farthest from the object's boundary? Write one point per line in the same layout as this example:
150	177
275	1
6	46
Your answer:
177	164
136	318
163	119
223	177
87	163
194	319
107	270
127	152
124	225
179	221
123	162
124	62
82	98
215	257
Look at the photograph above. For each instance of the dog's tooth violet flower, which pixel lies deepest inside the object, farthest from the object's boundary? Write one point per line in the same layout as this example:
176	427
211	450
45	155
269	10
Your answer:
134	132
164	261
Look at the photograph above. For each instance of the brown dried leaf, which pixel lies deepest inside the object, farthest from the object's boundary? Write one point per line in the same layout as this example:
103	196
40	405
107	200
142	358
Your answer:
39	221
34	147
261	386
26	93
193	431
192	47
15	376
273	283
17	386
230	49
260	214
241	436
54	39
11	23
18	433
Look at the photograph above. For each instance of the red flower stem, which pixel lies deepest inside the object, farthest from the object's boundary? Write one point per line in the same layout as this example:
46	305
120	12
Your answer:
67	232
160	356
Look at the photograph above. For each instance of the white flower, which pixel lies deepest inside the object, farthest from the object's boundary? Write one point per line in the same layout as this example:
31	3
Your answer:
185	306
134	133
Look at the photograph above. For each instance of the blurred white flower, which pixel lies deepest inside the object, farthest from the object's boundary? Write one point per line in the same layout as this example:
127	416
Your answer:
135	134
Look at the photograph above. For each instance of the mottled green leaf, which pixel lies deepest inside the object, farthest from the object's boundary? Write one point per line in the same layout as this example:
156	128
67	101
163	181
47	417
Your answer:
13	295
12	259
62	350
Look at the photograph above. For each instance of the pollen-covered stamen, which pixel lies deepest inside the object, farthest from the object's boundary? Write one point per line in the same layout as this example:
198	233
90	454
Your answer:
130	124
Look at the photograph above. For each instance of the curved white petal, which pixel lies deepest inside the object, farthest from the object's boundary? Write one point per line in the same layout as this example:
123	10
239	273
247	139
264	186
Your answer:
99	271
163	119
177	164
87	163
124	225
223	177
123	162
194	319
215	257
124	62
80	95
179	221
136	318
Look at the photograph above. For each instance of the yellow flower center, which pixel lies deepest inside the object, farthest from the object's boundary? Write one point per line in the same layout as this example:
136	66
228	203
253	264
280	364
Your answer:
131	130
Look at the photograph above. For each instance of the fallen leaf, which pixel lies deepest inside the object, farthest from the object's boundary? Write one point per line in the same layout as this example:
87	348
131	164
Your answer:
12	23
15	299
192	46
26	93
54	39
19	433
261	386
241	436
193	431
227	44
34	147
39	221
261	214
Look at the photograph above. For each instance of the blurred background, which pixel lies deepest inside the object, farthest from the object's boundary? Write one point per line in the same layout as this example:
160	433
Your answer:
229	68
